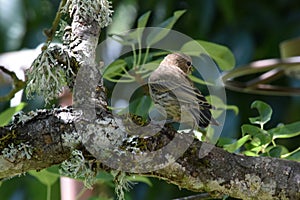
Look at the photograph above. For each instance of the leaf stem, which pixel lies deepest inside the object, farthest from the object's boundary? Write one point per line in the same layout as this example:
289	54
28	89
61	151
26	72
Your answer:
146	55
48	192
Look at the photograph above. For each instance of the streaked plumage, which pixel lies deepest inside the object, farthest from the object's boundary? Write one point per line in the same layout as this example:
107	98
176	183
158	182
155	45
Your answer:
171	88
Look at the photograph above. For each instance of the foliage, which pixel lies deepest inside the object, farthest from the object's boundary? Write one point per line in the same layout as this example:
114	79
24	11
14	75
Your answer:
257	141
47	177
6	115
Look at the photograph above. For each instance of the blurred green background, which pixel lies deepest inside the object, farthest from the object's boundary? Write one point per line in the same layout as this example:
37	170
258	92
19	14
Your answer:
251	29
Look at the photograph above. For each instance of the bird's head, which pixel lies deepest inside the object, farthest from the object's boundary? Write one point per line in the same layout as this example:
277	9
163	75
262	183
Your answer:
183	61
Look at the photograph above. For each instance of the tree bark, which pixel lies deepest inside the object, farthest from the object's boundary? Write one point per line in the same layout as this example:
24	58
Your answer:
216	171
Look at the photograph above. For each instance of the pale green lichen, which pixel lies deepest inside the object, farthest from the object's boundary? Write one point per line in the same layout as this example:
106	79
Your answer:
22	117
20	151
71	139
254	183
77	167
122	184
102	135
10	153
252	187
217	185
99	10
49	73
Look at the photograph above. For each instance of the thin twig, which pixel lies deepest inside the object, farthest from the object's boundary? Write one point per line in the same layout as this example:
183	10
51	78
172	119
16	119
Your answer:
50	33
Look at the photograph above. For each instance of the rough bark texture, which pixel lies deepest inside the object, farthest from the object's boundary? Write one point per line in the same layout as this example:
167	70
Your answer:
217	171
39	141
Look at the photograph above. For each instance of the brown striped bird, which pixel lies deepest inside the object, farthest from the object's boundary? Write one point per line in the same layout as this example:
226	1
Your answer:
171	89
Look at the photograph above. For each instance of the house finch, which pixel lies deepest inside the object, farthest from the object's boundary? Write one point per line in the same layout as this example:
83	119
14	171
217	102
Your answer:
171	89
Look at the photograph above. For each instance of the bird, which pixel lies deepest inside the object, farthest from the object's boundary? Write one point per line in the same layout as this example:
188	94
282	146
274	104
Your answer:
171	89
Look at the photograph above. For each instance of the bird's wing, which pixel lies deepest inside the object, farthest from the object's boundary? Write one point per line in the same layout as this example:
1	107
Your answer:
181	88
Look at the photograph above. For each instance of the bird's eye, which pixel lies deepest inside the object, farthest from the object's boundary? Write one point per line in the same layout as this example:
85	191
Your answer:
189	63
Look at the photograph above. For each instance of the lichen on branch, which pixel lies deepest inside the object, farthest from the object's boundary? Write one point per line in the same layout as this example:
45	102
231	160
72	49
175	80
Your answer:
57	65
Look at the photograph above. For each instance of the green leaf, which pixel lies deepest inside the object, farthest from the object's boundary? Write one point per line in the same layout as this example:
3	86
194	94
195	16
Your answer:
200	81
104	176
6	115
99	198
45	177
140	106
286	131
224	141
238	144
250	153
115	69
54	169
277	151
220	106
158	34
256	142
295	155
127	38
133	36
257	133
142	21
151	66
141	179
220	54
256	149
265	113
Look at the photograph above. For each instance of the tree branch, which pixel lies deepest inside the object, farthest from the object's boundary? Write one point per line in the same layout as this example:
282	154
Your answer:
218	172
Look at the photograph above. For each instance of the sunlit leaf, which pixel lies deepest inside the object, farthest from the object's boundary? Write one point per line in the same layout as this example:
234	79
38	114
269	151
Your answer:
128	38
256	149
256	132
238	144
45	177
220	105
6	115
224	141
115	68
142	21
249	153
54	169
151	65
220	54
200	81
133	36
158	34
264	110
286	131
295	155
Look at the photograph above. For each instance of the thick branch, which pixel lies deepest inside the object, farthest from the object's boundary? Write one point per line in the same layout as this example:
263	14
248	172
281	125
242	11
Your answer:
220	172
216	171
34	141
